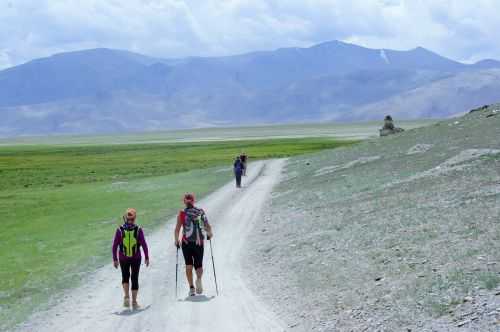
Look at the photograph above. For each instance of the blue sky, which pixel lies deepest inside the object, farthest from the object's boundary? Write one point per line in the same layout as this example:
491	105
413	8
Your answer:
463	30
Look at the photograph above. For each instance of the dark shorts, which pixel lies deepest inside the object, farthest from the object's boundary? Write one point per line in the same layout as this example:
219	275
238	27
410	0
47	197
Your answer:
193	254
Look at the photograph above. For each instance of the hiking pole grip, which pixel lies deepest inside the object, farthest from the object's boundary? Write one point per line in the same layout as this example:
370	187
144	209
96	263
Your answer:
213	266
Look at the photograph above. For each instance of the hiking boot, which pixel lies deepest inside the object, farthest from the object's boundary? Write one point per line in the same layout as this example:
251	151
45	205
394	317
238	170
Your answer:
199	287
126	302
136	306
192	291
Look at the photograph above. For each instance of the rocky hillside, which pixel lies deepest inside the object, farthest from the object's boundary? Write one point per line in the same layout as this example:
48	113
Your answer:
400	233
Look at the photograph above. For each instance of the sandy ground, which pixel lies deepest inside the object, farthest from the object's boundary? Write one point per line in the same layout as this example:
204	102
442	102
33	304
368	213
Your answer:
97	304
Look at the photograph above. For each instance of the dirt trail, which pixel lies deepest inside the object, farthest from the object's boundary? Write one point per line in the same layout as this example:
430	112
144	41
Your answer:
97	304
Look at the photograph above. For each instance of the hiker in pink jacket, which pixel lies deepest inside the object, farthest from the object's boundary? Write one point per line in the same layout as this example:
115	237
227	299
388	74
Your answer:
128	239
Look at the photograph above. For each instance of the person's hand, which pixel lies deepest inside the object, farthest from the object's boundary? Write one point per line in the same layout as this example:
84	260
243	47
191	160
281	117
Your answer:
147	262
116	264
209	235
177	243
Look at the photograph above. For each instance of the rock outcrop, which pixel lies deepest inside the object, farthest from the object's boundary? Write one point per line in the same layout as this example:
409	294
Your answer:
389	127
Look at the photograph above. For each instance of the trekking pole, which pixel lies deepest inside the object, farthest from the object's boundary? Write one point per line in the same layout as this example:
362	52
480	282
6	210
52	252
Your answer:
213	265
176	271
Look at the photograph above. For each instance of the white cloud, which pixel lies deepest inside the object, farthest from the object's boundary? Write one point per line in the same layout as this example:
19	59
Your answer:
4	59
460	29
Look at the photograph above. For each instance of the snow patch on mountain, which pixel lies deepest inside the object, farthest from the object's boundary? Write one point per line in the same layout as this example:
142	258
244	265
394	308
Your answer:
384	57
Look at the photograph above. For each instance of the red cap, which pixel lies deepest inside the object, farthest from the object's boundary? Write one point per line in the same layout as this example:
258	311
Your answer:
189	198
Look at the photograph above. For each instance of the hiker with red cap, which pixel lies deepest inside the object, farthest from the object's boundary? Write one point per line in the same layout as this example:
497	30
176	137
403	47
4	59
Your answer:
194	224
127	242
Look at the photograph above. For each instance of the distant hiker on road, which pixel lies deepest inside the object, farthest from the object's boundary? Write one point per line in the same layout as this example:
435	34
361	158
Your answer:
194	223
128	238
243	158
238	171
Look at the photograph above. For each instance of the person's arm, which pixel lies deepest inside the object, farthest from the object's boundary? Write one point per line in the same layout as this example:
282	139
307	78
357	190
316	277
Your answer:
178	229
116	243
210	234
144	245
207	226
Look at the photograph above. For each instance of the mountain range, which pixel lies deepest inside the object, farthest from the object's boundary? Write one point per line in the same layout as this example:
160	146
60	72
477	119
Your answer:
109	91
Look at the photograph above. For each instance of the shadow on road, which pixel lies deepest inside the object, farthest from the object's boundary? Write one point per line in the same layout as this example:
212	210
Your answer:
130	312
198	298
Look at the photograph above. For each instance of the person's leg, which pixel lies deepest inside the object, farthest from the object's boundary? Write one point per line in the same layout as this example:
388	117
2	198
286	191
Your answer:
126	290
135	267
125	268
188	259
189	275
199	284
198	265
199	272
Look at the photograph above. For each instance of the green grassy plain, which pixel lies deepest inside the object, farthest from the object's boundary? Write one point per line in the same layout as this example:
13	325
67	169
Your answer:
61	204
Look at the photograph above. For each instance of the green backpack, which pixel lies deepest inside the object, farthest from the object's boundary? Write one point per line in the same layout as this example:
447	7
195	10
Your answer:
130	243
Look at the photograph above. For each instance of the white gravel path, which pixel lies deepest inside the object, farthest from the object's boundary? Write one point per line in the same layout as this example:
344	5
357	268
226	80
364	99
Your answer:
96	305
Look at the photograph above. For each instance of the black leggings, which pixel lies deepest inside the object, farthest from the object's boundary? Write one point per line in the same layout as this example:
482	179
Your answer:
131	265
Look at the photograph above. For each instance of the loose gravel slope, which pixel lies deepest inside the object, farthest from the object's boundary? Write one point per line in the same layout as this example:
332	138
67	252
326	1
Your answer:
395	234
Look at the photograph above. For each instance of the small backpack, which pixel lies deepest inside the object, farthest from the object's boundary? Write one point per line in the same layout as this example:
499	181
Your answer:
238	166
193	222
130	242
